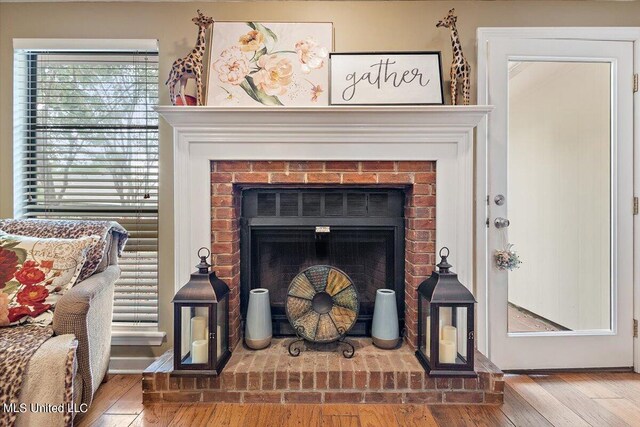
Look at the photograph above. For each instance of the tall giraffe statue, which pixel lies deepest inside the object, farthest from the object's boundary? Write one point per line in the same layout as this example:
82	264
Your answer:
190	67
459	67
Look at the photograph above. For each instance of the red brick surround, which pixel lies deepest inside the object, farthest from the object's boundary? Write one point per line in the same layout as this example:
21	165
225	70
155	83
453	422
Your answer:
418	178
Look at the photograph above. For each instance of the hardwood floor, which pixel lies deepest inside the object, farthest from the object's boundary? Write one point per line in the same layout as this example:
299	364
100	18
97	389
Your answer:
580	399
521	320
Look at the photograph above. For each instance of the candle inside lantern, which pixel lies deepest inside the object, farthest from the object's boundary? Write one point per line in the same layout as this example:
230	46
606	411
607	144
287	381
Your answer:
199	350
449	333
198	328
447	351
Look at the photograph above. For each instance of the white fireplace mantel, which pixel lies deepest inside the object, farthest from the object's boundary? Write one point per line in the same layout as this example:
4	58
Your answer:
440	133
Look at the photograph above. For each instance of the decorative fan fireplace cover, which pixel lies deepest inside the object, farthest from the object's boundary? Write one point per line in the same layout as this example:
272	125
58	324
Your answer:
322	303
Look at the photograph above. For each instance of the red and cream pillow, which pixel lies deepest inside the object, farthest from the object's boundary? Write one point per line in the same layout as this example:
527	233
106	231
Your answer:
35	273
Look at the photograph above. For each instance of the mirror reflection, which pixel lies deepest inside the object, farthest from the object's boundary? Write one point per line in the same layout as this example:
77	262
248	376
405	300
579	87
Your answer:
559	196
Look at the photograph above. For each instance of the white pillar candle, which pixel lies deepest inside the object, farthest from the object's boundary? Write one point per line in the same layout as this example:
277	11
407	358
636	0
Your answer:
449	333
198	328
199	351
448	351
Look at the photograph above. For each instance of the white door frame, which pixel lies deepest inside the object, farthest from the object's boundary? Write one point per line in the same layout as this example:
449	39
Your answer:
484	36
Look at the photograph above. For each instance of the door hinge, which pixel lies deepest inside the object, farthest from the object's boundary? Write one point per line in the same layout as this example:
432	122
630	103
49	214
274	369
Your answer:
487	222
635	328
635	206
635	82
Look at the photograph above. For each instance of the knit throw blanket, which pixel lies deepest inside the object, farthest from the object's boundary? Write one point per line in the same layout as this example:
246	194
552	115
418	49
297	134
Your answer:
17	345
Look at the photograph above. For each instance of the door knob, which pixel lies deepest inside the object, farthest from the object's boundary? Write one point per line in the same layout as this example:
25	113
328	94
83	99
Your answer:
501	222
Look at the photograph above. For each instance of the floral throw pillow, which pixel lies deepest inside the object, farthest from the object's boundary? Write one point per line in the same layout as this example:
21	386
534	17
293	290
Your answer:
35	273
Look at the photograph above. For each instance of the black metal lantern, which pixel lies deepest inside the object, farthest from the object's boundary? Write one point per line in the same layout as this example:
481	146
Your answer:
445	324
201	323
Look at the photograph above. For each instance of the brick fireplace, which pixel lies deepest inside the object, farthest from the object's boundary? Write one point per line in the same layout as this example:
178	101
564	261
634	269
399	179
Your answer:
423	152
416	178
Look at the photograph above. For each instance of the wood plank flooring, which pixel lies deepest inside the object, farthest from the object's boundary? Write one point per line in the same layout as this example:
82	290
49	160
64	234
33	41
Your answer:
580	399
523	321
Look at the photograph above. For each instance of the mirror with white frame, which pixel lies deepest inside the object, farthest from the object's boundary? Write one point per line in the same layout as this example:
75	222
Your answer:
559	192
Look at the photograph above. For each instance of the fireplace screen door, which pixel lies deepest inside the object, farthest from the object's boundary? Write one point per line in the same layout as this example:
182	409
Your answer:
358	231
560	178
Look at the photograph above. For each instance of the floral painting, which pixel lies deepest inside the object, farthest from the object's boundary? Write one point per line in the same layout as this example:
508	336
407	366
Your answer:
269	64
34	273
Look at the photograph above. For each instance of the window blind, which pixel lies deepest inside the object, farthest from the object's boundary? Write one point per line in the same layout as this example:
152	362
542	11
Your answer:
86	147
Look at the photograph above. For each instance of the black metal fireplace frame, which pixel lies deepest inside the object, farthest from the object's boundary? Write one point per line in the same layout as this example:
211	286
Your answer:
393	221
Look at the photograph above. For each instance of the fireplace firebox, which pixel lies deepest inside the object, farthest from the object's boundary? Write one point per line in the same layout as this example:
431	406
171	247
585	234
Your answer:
357	230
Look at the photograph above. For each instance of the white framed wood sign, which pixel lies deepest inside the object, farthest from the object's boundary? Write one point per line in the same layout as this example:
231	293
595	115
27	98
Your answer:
386	78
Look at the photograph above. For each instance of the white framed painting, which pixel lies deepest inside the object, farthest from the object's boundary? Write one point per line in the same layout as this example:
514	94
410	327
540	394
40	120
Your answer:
269	64
386	78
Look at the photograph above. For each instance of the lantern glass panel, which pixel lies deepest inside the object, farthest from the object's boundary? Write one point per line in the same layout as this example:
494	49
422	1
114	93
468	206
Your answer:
445	318
461	316
425	338
194	345
221	325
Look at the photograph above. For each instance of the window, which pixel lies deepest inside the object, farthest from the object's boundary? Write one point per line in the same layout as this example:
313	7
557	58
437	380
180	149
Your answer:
86	145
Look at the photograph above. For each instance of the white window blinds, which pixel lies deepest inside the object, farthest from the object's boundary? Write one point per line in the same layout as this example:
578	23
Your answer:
86	147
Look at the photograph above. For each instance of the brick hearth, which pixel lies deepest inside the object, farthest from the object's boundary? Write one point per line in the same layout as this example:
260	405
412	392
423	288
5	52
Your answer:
228	178
371	376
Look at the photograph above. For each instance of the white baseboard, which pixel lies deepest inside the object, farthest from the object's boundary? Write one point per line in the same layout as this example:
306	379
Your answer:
129	365
132	334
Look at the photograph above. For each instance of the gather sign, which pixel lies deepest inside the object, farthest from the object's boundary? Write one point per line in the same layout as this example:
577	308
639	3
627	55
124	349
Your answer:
386	78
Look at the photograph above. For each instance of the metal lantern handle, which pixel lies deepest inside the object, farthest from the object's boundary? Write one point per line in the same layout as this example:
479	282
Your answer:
203	266
206	256
443	265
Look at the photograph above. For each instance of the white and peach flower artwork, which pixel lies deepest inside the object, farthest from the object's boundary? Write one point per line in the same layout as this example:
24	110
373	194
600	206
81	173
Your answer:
311	55
316	90
271	64
232	67
251	41
275	74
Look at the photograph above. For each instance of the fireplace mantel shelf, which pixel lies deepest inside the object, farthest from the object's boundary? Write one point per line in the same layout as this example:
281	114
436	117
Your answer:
443	115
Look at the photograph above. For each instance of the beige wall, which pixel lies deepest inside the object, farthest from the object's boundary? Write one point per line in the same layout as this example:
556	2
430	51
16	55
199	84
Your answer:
358	26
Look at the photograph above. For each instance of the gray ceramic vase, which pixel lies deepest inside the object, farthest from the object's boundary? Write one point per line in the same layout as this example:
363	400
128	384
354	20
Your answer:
385	328
257	333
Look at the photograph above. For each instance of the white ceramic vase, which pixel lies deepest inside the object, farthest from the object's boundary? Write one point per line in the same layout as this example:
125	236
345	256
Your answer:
385	328
257	333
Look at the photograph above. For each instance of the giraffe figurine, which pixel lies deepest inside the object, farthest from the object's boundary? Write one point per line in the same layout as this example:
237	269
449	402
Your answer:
460	68
190	67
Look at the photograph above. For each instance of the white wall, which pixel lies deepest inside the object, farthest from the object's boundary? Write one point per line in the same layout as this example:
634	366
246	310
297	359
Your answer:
559	169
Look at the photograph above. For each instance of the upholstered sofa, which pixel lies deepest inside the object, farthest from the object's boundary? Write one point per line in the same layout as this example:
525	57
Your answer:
82	331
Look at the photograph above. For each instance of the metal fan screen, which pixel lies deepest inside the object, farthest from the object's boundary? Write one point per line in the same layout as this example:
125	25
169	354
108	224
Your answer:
322	303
